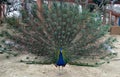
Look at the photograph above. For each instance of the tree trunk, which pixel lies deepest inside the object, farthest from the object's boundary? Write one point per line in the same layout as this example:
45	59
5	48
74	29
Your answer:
39	12
49	4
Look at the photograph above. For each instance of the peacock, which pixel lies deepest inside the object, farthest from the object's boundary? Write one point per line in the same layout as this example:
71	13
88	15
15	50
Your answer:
62	35
61	61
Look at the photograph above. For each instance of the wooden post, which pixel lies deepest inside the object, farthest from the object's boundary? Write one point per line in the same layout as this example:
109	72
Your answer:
2	11
110	18
117	15
115	22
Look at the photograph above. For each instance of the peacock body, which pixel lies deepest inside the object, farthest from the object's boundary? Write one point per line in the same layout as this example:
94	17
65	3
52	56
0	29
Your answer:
61	61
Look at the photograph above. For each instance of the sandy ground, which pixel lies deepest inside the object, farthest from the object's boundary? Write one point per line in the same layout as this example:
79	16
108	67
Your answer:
13	68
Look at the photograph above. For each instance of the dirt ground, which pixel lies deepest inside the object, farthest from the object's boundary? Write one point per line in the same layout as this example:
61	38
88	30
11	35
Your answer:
13	68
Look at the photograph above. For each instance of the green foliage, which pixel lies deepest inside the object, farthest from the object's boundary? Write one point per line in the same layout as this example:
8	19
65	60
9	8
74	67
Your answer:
63	27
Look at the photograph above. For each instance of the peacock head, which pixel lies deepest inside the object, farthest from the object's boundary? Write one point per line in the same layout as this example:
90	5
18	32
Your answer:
60	49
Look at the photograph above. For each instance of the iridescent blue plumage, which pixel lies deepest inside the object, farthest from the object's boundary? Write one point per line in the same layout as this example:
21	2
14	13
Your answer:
61	61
